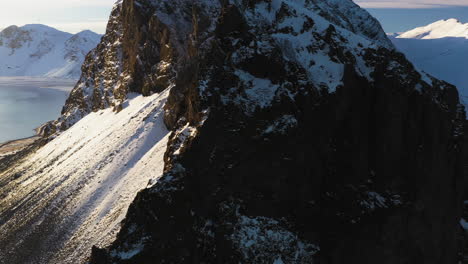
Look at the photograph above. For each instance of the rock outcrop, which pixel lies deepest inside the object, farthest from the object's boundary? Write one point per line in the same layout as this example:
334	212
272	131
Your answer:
299	135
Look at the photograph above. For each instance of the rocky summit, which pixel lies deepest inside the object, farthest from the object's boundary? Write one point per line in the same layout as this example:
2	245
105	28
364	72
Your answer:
258	131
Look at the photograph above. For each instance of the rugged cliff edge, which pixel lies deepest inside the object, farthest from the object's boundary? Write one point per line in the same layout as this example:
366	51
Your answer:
296	134
299	135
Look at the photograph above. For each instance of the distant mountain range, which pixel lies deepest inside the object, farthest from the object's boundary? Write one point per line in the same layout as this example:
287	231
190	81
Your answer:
39	50
440	49
440	29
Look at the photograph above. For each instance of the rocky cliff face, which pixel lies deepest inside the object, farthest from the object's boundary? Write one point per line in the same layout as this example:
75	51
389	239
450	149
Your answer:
299	135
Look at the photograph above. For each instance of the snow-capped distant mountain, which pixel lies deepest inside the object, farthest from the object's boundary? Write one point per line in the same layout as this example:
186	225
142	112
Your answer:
440	29
39	50
440	49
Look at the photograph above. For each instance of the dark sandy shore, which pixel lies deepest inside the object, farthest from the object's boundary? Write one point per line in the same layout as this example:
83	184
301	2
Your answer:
15	146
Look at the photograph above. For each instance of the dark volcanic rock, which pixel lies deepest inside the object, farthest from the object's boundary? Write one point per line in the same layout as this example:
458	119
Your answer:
299	135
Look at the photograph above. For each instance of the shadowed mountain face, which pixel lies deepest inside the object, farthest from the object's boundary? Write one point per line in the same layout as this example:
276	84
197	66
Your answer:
296	133
299	135
441	49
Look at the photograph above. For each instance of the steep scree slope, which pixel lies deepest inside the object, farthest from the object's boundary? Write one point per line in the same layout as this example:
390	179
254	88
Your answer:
73	192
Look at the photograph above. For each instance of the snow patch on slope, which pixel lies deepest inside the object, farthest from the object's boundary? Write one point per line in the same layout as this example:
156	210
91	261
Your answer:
259	92
260	238
297	36
83	181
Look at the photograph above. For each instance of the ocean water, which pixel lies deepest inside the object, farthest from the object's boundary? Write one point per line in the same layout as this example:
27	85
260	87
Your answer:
24	107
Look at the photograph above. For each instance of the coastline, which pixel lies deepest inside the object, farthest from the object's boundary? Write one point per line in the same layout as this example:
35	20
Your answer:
65	85
12	143
14	146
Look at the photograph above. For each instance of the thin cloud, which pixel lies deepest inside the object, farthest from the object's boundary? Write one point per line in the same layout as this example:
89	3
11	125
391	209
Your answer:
411	4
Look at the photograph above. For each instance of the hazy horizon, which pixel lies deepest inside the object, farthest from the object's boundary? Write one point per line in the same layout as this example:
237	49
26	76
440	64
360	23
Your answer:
74	16
411	4
70	16
22	25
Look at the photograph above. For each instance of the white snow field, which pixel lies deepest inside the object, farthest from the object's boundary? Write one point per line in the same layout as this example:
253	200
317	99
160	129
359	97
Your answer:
74	192
39	50
440	49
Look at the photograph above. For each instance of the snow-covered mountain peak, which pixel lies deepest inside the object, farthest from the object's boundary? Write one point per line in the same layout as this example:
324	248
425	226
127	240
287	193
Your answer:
15	37
287	25
81	43
440	29
444	42
87	33
341	13
348	15
40	50
42	28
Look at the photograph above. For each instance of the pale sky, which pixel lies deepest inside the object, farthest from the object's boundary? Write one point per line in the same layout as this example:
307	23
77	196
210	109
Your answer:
411	3
66	15
76	15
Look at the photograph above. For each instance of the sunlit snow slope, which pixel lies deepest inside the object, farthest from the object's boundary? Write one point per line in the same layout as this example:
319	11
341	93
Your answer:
74	192
440	49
